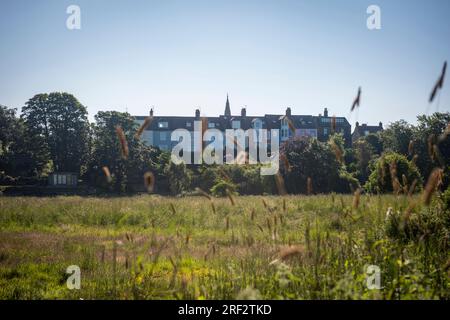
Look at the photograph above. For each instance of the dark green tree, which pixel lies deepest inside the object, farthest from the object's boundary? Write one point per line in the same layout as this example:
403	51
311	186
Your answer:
364	154
179	178
397	136
430	131
375	141
21	155
62	121
127	173
311	158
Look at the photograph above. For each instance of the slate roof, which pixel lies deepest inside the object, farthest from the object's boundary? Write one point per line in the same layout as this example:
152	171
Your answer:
270	121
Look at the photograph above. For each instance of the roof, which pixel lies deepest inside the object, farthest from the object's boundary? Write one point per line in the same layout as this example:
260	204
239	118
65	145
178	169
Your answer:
364	127
270	121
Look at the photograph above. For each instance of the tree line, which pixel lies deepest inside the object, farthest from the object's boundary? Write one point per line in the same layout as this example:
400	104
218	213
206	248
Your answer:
53	133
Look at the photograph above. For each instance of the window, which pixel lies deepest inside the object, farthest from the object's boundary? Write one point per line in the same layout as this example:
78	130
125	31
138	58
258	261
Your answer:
236	124
211	125
257	124
366	133
188	124
284	122
163	124
306	133
147	137
163	136
325	131
284	133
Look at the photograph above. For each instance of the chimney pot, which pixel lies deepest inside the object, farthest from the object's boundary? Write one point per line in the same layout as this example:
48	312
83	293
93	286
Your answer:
197	113
325	112
243	112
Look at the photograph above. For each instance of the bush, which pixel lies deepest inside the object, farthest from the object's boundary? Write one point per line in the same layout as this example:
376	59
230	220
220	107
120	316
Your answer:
314	159
445	198
430	224
222	188
393	166
179	178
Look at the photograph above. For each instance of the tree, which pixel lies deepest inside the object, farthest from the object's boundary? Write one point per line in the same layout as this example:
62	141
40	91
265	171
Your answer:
364	154
21	154
394	172
397	136
126	174
316	160
62	121
430	130
179	177
375	141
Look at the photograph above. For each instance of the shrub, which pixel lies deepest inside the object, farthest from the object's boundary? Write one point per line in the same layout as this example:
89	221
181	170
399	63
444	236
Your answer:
309	158
222	188
179	178
393	166
445	198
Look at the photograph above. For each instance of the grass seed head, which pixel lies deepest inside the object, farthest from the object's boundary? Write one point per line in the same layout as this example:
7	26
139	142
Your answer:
149	181
433	183
143	126
123	142
107	174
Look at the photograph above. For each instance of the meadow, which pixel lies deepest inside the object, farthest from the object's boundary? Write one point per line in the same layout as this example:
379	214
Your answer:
243	247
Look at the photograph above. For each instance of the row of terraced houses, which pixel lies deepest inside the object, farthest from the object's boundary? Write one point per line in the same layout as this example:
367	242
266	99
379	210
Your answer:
158	133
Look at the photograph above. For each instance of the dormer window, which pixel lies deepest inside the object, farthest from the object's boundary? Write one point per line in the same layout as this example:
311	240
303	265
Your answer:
236	124
211	125
163	124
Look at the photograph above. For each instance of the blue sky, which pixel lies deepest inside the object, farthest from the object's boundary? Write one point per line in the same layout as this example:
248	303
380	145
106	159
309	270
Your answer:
268	55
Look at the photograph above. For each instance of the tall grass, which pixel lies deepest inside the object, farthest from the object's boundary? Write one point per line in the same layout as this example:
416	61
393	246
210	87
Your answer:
289	247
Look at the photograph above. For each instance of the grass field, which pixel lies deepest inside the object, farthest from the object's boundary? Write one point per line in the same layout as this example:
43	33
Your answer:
293	247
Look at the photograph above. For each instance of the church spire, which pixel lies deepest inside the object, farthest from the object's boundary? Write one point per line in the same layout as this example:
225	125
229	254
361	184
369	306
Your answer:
227	108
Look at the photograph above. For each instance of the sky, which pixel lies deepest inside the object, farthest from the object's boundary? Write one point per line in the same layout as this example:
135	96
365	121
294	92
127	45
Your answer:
267	55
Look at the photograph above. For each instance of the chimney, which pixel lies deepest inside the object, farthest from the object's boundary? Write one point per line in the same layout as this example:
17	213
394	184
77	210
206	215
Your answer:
357	124
197	113
325	112
151	112
288	112
243	112
380	124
